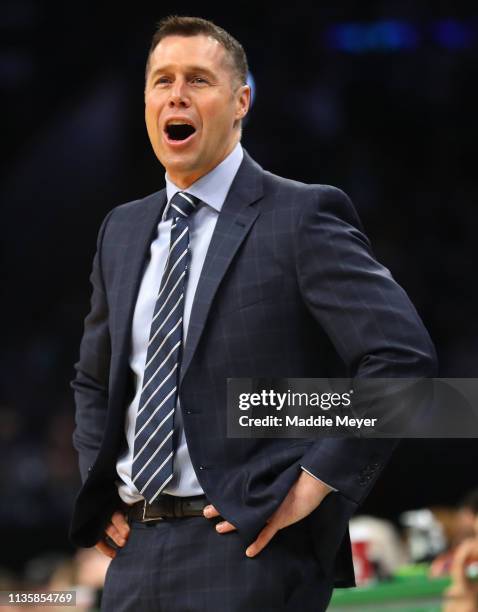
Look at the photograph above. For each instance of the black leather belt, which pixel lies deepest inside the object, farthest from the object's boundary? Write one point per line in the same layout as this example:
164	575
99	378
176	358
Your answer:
167	506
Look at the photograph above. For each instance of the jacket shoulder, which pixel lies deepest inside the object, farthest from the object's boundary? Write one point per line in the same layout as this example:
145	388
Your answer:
301	194
286	185
129	214
138	206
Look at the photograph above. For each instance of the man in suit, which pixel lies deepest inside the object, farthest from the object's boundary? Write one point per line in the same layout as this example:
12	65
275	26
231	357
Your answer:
228	272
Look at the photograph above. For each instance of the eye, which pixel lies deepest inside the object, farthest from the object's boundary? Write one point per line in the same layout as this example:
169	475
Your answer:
162	80
199	80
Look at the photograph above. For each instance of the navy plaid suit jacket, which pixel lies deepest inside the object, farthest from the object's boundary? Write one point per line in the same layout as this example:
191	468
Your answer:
289	288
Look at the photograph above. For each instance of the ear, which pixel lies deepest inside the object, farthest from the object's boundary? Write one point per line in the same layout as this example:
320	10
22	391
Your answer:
243	101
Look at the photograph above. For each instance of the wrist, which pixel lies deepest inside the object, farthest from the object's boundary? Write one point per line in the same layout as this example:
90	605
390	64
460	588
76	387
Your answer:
313	485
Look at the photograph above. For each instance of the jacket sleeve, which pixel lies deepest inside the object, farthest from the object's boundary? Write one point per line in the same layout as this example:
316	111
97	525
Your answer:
90	384
370	321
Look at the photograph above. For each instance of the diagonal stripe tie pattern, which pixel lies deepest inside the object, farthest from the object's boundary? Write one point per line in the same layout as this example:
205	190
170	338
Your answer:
153	442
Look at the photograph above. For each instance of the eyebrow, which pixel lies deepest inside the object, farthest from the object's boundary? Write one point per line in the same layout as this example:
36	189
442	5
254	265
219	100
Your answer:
189	70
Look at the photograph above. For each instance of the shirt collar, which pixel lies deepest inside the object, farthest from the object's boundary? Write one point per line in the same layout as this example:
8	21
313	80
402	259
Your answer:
213	187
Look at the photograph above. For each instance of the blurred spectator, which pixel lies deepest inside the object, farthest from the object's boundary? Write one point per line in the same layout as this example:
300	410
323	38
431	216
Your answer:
459	525
383	548
462	596
84	573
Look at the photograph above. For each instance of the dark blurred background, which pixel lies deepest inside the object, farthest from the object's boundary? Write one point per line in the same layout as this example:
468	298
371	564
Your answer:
377	98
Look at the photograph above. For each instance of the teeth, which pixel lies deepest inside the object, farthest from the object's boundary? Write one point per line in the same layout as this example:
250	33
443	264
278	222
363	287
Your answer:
178	123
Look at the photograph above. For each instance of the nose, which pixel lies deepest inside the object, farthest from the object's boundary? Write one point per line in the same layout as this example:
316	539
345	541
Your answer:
178	96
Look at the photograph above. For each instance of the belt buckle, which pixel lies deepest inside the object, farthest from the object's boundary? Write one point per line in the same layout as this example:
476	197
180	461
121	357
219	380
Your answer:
145	519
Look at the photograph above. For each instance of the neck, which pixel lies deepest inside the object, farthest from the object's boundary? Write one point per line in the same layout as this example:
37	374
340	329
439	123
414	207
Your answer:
183	180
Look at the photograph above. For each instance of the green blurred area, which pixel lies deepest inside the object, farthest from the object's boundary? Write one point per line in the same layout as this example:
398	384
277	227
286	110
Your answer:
411	590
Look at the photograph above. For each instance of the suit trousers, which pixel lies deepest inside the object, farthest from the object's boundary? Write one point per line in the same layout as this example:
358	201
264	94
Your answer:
184	565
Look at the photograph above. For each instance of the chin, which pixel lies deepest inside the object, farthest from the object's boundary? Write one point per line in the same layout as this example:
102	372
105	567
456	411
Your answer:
176	161
180	165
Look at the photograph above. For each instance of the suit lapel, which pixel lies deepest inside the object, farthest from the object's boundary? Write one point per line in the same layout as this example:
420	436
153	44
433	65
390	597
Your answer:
135	256
233	224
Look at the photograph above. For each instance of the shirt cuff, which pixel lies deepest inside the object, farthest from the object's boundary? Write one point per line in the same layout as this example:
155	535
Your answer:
314	476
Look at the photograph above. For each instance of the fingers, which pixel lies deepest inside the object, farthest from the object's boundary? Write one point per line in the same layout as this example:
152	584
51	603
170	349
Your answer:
118	529
103	548
262	539
222	527
119	521
210	511
115	535
225	527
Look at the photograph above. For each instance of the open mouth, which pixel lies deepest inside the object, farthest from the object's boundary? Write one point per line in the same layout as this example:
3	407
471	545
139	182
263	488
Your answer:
179	131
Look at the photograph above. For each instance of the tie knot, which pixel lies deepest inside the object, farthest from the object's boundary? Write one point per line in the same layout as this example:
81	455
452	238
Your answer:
182	205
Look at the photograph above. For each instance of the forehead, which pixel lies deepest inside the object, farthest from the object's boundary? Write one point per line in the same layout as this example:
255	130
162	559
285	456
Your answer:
181	51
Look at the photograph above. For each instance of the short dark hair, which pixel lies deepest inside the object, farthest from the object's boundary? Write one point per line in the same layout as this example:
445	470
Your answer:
176	25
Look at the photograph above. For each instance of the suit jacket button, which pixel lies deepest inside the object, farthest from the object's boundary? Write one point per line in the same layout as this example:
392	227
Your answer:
202	467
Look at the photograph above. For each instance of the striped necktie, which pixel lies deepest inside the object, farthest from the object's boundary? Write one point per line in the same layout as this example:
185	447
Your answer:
153	441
